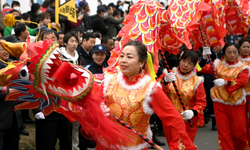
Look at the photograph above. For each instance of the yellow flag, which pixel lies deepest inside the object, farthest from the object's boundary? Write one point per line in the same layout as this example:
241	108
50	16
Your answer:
68	9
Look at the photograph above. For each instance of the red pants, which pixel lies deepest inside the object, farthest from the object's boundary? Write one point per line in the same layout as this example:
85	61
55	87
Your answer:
231	126
191	131
248	118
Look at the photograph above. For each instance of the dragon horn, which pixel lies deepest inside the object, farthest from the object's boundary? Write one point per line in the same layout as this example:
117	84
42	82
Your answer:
15	49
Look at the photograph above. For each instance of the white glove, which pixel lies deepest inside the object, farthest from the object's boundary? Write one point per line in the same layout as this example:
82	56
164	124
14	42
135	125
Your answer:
105	109
206	52
169	77
220	82
188	114
39	115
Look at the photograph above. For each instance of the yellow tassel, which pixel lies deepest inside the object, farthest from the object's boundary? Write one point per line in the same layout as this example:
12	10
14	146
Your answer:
198	67
151	67
10	21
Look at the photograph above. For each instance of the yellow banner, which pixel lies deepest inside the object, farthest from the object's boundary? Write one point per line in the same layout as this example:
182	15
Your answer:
68	10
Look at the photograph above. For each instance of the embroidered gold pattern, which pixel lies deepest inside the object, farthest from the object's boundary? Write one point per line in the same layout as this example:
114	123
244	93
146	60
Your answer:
219	145
220	93
181	146
127	105
186	89
247	87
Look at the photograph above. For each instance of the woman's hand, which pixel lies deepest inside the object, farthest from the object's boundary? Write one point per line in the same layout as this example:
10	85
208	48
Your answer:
220	82
80	17
105	109
40	115
169	77
188	114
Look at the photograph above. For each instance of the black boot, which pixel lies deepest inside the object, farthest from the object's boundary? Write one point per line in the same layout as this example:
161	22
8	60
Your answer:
214	127
155	139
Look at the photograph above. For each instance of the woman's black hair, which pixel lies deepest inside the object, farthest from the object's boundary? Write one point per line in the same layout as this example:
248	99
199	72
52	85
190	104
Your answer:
190	54
69	35
140	48
230	44
244	40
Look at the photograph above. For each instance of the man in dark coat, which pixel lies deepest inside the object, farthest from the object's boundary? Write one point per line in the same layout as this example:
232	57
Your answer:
84	50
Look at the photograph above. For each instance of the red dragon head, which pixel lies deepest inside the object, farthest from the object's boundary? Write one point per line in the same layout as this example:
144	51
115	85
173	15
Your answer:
55	77
46	80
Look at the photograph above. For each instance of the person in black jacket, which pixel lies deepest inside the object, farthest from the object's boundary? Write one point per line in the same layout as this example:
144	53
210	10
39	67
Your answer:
98	21
35	11
52	127
84	50
10	120
86	19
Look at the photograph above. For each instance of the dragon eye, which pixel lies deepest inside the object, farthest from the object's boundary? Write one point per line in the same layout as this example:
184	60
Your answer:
24	73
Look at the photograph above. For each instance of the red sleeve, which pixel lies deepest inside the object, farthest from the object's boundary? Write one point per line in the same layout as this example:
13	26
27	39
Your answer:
207	69
74	25
173	124
238	83
200	103
200	98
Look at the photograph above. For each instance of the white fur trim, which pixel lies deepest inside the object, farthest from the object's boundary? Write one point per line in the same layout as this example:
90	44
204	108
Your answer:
232	66
200	80
136	86
183	77
216	63
244	59
106	83
247	93
242	99
146	102
246	67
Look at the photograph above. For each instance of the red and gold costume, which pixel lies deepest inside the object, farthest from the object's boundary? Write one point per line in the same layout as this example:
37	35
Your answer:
194	97
229	103
246	61
134	101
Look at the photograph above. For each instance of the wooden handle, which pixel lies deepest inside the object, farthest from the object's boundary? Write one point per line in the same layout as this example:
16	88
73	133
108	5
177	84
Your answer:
158	147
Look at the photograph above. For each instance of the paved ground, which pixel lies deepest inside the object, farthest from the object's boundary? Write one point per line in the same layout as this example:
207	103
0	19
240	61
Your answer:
206	139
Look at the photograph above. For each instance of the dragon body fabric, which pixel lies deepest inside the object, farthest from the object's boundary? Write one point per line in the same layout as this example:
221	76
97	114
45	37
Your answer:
52	84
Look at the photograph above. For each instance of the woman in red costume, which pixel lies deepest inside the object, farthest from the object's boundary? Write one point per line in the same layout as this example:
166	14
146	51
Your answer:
133	97
191	89
244	45
229	97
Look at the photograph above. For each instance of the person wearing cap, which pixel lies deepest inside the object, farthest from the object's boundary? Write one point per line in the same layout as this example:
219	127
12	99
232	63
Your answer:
43	28
98	21
86	19
99	55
